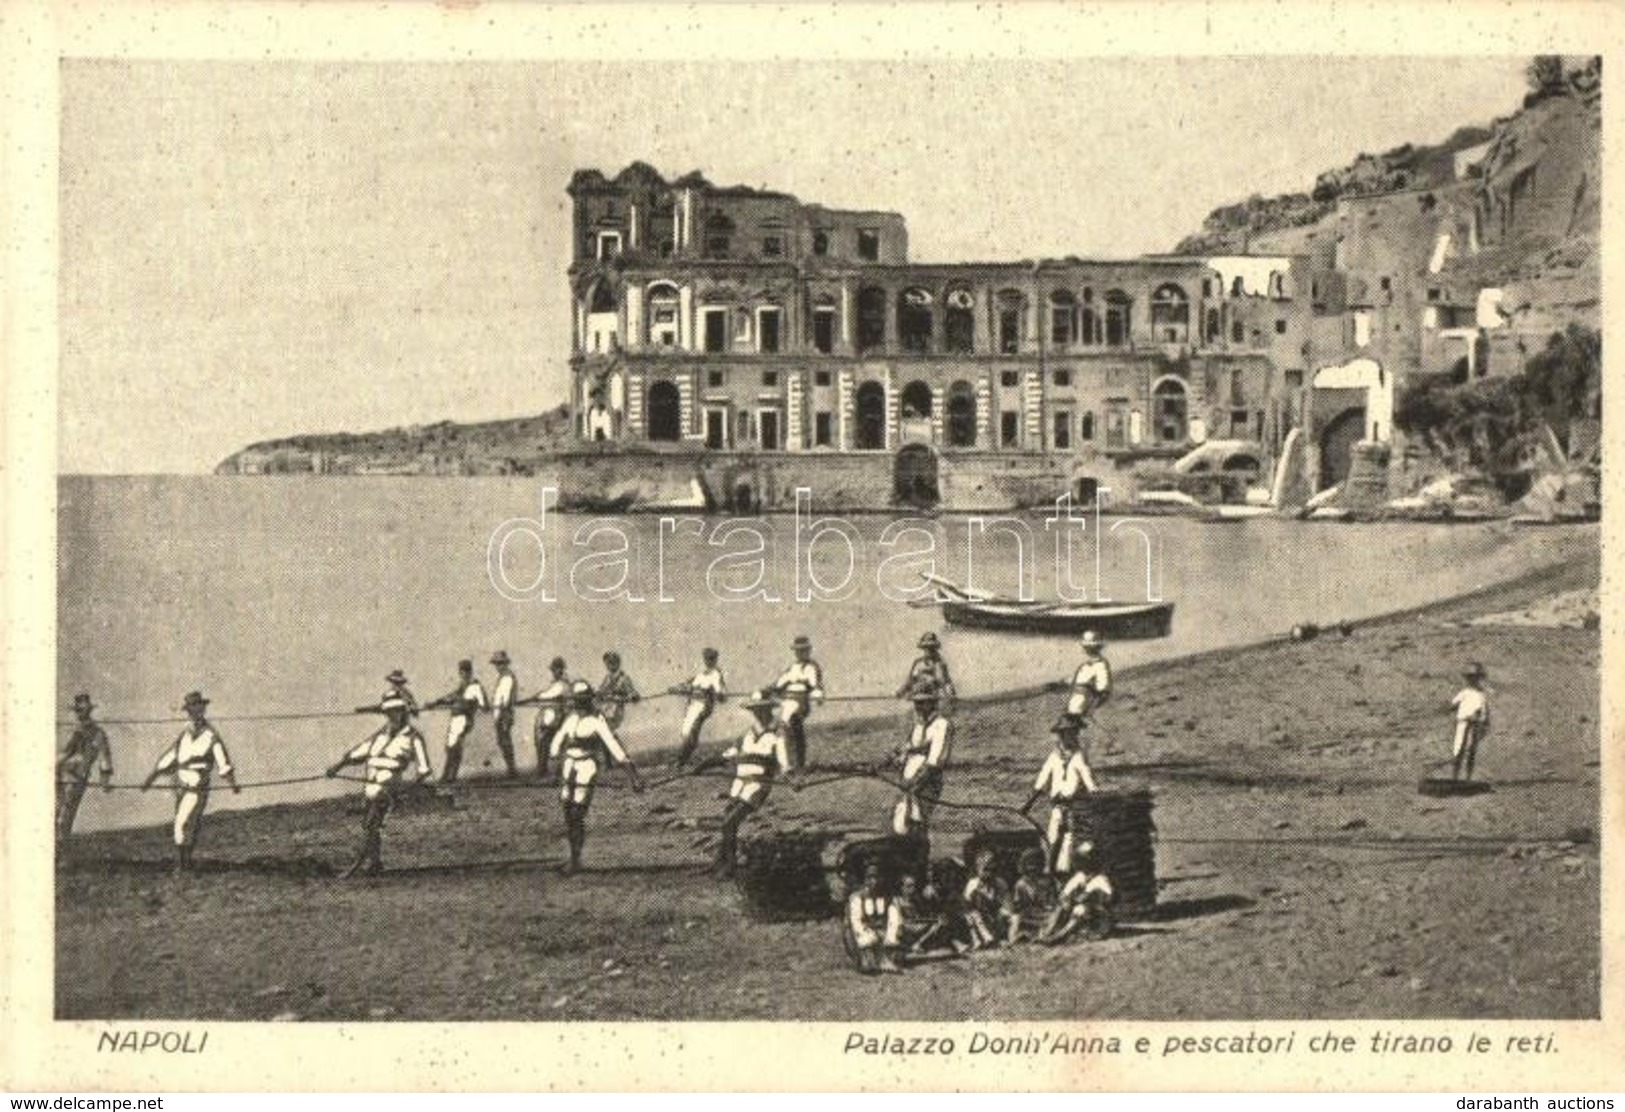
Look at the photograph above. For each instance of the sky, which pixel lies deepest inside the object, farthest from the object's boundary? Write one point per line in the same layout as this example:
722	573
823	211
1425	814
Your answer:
253	250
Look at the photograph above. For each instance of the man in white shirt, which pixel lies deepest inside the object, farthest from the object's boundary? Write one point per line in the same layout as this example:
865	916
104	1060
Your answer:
586	744
924	759
800	688
759	760
704	691
1472	705
551	699
464	701
387	754
196	755
873	926
1092	682
504	697
1064	775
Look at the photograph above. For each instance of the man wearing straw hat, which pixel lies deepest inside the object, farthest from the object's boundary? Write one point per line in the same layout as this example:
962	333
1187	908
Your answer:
759	759
586	743
925	758
386	755
1064	774
801	686
464	701
1472	707
87	750
196	755
503	697
929	665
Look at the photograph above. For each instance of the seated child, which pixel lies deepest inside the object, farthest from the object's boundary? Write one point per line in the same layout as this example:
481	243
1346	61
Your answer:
873	926
987	901
1033	899
1084	903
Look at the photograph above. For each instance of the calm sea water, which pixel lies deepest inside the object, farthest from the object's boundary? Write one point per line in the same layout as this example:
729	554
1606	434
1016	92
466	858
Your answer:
299	594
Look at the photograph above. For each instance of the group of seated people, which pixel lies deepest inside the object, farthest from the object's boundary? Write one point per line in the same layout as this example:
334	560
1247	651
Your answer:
954	914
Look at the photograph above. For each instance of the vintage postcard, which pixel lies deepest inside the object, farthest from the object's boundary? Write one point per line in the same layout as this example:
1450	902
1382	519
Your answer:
951	547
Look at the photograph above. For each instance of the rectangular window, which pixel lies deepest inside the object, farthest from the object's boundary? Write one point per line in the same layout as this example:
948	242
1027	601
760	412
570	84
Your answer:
767	330
1086	426
717	247
1116	425
820	242
869	245
609	244
770	379
1294	380
1238	332
1060	326
768	423
665	248
1237	395
716	429
823	428
1063	377
824	330
716	330
1434	293
1238	422
1009	331
1009	379
772	247
1280	327
821	378
713	379
1010	428
1063	429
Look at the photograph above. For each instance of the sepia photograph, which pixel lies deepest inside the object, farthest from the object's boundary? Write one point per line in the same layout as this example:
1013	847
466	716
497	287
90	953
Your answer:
872	541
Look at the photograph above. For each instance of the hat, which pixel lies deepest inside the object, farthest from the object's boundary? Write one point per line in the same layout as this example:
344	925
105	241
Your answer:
397	676
558	664
802	641
581	691
925	691
193	699
709	654
760	699
1475	671
1091	640
929	641
1067	724
612	656
501	657
465	665
391	702
82	700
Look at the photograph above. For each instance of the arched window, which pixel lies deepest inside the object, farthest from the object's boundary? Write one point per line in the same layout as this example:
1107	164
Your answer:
959	321
665	412
603	299
1169	411
917	400
1118	318
663	308
871	318
1063	315
718	236
961	424
1214	331
1170	314
914	320
1011	305
1086	425
1089	330
871	415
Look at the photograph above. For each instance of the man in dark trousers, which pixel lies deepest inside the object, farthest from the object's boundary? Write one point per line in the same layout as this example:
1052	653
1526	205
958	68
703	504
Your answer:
87	751
387	755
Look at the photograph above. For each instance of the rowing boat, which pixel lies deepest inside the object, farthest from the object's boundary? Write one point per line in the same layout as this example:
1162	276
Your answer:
1115	620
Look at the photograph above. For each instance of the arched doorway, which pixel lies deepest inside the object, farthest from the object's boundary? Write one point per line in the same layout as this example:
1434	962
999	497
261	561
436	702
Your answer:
961	415
914	476
916	400
1169	410
665	412
871	415
1337	441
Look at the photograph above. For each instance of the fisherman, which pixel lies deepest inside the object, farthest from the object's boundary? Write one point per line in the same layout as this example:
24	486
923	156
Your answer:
929	665
615	690
586	742
551	699
759	759
87	750
386	755
1472	706
1092	683
397	689
464	701
196	755
800	687
874	926
1033	899
924	759
504	697
987	903
1084	903
704	691
1064	774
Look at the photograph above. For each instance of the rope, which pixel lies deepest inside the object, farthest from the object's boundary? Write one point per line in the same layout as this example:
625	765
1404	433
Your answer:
240	787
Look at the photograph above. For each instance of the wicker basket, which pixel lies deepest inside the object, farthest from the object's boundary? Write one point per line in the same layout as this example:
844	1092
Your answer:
781	878
1118	823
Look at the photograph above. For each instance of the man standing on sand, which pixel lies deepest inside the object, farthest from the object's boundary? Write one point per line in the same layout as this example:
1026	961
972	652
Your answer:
1472	706
196	755
704	691
615	690
503	697
1092	682
759	759
929	666
586	743
396	689
924	759
87	750
551	699
800	687
464	701
386	754
1064	775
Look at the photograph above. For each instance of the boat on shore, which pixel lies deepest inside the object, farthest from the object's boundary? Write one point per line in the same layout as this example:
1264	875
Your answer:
1119	621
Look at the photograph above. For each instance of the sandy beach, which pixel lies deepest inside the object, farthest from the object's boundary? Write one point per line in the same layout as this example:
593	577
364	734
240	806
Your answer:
1302	874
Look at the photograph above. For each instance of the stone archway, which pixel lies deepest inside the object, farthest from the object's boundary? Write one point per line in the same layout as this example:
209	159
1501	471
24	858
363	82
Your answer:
665	412
914	477
1337	441
871	417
